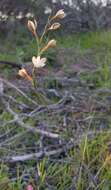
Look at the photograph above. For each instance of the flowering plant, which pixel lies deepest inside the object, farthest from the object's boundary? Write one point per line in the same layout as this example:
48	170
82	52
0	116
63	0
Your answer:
38	60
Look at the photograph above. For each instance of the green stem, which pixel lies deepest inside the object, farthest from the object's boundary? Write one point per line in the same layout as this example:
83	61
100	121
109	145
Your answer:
45	29
34	78
38	46
34	83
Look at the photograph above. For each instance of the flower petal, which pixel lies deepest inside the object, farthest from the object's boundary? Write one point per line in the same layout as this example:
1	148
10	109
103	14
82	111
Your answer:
38	59
34	60
43	60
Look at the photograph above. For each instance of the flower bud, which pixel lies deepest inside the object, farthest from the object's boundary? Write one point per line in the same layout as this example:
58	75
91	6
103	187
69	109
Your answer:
55	26
59	15
51	44
32	26
23	73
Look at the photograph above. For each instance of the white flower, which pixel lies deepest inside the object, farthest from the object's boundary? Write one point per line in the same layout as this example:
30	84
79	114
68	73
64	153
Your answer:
38	61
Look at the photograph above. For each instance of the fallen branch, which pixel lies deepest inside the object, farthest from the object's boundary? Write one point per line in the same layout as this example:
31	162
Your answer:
26	126
18	90
40	154
15	65
54	107
34	156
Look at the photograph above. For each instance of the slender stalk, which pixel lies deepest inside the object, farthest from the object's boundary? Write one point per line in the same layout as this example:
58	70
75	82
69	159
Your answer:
34	83
34	78
38	43
45	29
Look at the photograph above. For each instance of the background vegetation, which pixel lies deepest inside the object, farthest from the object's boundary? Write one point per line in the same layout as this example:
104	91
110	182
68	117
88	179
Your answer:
76	85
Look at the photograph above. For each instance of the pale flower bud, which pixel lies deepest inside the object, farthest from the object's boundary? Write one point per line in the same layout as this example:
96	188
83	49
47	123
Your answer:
51	44
23	73
55	26
32	26
59	15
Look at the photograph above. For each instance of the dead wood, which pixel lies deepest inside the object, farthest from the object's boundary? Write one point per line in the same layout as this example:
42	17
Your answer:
12	64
